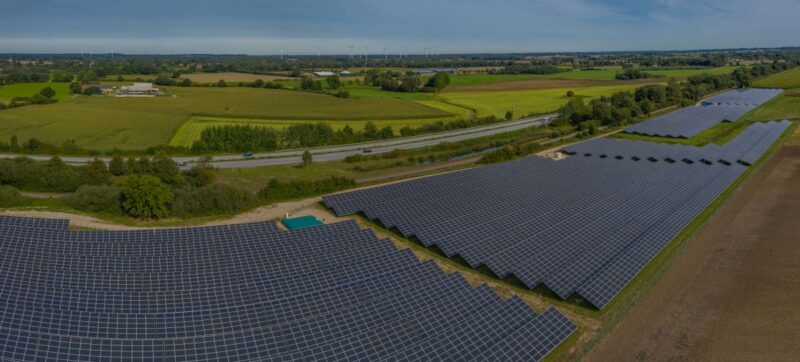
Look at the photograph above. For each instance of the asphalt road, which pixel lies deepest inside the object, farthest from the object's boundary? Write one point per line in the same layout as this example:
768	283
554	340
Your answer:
334	153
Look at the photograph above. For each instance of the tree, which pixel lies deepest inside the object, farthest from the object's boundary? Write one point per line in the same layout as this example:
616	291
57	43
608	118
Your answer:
570	93
75	88
48	92
221	83
120	78
439	81
258	83
97	173
14	143
92	91
186	82
334	82
146	197
308	159
166	170
509	115
117	166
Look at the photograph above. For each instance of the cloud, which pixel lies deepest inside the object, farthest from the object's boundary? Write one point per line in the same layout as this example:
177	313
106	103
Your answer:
302	26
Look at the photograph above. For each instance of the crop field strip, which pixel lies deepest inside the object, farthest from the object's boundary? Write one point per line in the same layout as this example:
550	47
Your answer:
584	226
691	121
247	292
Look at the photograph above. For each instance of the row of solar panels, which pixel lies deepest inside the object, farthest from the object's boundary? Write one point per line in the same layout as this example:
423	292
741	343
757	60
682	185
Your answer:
582	227
749	96
746	148
247	292
691	121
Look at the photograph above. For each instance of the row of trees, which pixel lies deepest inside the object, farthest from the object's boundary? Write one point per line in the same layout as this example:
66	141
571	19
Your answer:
240	138
630	74
621	107
527	69
408	82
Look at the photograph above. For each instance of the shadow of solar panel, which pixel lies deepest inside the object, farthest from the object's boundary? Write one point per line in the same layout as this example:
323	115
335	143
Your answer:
241	292
581	227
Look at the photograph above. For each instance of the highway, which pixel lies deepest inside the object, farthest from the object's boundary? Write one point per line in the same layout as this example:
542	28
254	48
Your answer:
334	153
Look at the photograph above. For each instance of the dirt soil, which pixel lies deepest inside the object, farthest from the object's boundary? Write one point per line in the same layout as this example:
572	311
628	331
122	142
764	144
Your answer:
733	294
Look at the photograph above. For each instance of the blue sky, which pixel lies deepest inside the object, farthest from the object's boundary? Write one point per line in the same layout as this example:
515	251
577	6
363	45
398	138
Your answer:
410	26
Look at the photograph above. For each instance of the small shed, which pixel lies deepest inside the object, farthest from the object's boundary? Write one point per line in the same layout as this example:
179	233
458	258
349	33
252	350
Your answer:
301	222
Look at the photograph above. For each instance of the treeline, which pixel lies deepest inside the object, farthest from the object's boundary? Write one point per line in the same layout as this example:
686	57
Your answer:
240	138
157	188
527	69
630	74
622	107
407	82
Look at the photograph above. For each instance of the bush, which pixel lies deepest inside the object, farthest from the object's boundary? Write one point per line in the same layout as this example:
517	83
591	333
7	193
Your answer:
281	191
10	197
146	197
105	198
211	200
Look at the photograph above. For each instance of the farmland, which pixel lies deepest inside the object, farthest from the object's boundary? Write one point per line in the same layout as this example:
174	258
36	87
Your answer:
787	79
137	123
28	89
526	101
787	105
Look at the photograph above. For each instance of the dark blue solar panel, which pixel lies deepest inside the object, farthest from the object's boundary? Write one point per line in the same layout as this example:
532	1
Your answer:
584	225
691	121
238	292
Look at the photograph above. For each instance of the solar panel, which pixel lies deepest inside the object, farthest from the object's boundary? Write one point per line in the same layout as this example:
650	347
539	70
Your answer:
691	121
239	292
565	224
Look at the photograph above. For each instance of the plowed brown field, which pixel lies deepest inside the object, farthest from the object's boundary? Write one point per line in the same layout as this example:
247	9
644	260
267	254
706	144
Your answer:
734	293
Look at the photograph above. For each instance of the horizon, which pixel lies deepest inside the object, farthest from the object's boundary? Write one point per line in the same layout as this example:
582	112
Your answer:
343	27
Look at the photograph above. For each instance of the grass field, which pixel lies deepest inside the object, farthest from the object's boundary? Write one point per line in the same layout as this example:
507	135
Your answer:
28	89
787	79
136	123
526	101
785	106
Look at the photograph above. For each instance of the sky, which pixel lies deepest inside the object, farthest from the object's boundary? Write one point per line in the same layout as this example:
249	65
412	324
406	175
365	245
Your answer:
402	26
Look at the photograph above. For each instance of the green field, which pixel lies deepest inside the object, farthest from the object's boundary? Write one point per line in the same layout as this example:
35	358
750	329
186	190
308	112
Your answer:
190	130
611	73
787	79
785	106
526	101
28	89
137	123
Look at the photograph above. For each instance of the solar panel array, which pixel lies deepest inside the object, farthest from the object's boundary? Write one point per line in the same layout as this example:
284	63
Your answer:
582	226
691	121
744	96
746	148
247	292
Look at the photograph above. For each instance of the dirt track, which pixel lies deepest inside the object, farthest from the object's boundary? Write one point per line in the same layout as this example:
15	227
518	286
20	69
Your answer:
734	293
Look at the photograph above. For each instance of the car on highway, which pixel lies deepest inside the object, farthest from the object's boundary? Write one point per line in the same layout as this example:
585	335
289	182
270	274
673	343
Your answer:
181	163
248	155
367	150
